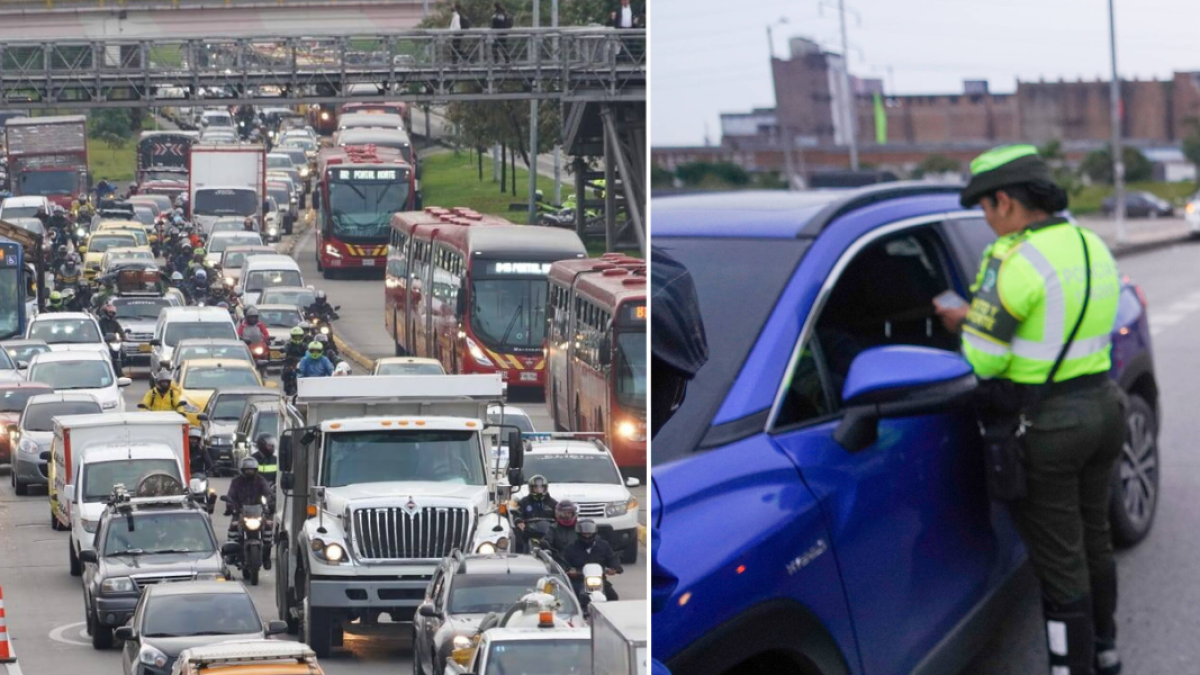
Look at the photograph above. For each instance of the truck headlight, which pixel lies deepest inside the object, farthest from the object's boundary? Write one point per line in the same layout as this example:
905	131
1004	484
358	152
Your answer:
117	585
252	524
334	553
477	353
486	548
89	526
613	509
152	657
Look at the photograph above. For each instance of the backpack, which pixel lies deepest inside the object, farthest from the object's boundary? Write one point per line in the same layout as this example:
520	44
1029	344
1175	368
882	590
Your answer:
508	20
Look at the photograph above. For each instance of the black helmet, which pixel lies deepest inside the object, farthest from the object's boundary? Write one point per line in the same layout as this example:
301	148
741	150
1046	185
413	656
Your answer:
586	529
265	443
539	487
566	512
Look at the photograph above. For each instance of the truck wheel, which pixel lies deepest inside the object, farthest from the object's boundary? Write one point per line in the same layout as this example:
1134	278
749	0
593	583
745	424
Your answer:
630	555
102	636
318	629
282	595
73	559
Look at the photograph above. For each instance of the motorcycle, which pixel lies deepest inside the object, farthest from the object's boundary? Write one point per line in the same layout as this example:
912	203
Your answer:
200	493
319	325
259	349
591	585
248	545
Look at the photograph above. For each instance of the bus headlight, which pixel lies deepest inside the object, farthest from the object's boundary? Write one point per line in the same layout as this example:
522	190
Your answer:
477	354
331	251
632	431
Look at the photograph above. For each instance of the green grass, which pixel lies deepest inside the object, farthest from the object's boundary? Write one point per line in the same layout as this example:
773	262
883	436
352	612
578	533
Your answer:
449	180
117	164
167	56
1088	199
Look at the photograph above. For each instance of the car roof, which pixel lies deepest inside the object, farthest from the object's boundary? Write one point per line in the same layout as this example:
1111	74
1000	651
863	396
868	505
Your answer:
216	342
23	342
273	261
62	396
24	201
784	214
495	408
401	359
192	364
562	446
197	588
278	307
289	289
26	384
53	316
201	314
68	356
501	563
247	391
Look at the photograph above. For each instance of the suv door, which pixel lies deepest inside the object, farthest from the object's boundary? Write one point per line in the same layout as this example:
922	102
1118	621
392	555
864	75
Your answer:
915	535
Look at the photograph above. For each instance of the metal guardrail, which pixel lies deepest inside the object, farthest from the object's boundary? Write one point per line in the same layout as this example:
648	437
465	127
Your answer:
569	64
40	6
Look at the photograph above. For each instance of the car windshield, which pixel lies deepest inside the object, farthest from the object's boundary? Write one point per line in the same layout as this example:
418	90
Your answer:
25	352
573	468
218	244
102	242
281	195
145	309
541	657
177	532
388	456
482	593
73	374
228	225
231	406
519	421
13	400
99	478
737	284
363	210
256	281
226	202
286	318
411	369
268	423
234	260
31	224
219	378
630	371
144	214
508	313
299	141
6	362
232	351
40	417
299	298
168	616
182	330
12	212
275	161
65	331
297	156
61	182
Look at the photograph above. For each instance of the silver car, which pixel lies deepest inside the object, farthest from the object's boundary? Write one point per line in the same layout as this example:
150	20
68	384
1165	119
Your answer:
36	431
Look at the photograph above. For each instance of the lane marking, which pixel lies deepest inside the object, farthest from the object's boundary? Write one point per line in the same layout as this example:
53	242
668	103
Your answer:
59	634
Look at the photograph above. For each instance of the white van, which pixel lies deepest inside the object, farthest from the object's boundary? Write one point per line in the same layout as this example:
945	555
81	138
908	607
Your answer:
90	454
180	323
23	207
264	271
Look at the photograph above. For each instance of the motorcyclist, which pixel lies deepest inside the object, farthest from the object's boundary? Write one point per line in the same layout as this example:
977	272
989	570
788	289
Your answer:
179	263
43	216
165	395
315	364
249	487
55	302
249	224
253	331
330	350
69	274
563	534
177	280
198	289
268	464
294	350
590	548
198	262
535	507
320	308
109	324
61	253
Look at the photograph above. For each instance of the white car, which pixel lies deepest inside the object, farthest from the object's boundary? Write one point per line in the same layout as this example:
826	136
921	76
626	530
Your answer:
220	241
585	472
415	365
264	271
69	332
22	207
180	323
1192	214
512	416
81	373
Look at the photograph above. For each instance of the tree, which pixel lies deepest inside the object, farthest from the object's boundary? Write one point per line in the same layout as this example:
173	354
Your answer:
936	164
1191	141
111	126
1097	165
660	177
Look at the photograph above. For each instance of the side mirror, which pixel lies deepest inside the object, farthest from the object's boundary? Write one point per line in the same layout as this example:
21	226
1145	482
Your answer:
516	451
156	343
230	548
285	450
316	199
276	627
287	481
632	482
125	633
124	381
460	304
22	365
203	417
899	381
427	610
515	476
89	556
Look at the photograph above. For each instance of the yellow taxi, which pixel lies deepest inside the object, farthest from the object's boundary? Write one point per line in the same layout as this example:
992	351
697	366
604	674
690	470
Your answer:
131	226
98	244
200	378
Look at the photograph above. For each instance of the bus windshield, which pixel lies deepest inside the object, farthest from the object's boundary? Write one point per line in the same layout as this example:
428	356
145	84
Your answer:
509	312
226	202
363	210
630	370
10	302
61	182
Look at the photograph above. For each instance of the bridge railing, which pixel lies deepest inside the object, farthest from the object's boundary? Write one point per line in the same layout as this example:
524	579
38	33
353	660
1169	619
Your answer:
481	64
39	6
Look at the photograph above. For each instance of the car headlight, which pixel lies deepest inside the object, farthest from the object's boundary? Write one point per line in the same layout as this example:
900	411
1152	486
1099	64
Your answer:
109	405
304	172
460	642
273	231
210	576
613	509
117	585
330	250
252	524
27	446
477	353
89	526
152	657
486	548
229	281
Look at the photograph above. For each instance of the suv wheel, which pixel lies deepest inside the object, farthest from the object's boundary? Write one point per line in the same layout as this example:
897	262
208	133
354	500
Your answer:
102	636
73	559
1135	476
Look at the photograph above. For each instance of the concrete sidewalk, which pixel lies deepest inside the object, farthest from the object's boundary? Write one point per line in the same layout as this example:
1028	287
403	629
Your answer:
1142	234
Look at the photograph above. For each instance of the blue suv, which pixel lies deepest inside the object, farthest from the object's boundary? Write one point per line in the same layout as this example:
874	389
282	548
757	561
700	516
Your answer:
819	495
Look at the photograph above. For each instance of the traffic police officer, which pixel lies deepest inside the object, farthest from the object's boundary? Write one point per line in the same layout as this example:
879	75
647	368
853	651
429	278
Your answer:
1029	297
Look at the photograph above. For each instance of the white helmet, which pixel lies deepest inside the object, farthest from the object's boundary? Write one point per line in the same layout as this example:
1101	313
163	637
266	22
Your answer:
342	368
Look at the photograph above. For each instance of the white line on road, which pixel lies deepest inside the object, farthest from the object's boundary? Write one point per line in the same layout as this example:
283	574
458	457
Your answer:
59	635
13	668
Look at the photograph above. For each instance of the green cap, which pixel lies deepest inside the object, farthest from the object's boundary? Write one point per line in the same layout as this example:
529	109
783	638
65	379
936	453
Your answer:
1005	165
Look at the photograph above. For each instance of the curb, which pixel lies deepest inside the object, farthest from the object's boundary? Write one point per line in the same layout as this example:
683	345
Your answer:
354	355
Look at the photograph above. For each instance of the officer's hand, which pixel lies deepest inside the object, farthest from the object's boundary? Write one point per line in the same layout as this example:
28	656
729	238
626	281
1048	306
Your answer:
952	317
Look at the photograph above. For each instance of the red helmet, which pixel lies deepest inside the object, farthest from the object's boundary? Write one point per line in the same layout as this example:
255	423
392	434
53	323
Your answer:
566	513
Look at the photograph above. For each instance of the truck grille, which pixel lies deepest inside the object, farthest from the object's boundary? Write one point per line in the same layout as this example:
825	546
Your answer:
389	533
591	509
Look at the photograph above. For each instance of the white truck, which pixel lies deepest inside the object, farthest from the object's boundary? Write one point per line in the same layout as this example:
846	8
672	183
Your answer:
619	632
92	453
227	180
388	477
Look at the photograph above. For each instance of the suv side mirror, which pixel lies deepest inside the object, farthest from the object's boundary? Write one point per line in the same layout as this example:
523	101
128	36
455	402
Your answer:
155	342
516	451
125	633
285	450
276	627
427	610
89	556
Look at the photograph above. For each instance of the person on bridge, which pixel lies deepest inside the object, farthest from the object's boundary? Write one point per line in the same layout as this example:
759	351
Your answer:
1045	288
458	21
315	364
501	20
164	396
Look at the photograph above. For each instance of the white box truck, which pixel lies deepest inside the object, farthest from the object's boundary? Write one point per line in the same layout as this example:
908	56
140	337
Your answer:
90	454
619	632
389	476
227	181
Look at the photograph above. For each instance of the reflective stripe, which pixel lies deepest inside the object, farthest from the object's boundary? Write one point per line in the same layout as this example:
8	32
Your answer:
268	468
989	347
1056	311
1045	351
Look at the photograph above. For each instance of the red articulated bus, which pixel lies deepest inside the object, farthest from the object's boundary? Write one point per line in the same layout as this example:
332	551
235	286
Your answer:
395	107
596	352
357	190
470	291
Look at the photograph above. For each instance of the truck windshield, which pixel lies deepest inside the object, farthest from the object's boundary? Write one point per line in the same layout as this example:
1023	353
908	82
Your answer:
226	202
100	477
384	456
631	371
541	657
508	313
63	182
160	533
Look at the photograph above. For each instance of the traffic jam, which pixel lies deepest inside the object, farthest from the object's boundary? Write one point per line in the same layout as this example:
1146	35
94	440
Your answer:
212	475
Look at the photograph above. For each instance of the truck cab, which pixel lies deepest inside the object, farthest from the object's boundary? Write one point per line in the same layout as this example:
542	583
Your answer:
388	478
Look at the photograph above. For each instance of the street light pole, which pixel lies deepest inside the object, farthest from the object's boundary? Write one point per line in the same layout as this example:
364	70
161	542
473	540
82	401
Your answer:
1118	156
850	111
533	131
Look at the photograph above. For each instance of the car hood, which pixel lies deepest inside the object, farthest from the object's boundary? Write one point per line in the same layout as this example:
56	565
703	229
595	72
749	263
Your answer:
7	418
137	326
221	428
173	646
198	397
12	375
97	347
163	563
42	438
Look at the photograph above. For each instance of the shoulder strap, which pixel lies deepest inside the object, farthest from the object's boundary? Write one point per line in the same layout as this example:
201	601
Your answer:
1087	294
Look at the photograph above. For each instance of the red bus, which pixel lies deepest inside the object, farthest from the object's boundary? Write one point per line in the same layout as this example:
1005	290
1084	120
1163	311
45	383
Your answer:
470	291
357	190
395	107
596	352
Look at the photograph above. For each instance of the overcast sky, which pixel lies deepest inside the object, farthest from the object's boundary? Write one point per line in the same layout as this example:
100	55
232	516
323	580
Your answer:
710	56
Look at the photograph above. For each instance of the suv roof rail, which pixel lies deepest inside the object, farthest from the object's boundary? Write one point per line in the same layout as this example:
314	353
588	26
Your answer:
858	198
551	564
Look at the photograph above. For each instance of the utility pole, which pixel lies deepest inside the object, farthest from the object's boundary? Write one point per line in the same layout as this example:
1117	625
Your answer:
1114	102
557	146
533	124
850	108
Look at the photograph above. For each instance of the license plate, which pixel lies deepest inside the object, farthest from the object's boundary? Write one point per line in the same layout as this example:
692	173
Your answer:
368	262
144	349
276	355
529	377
